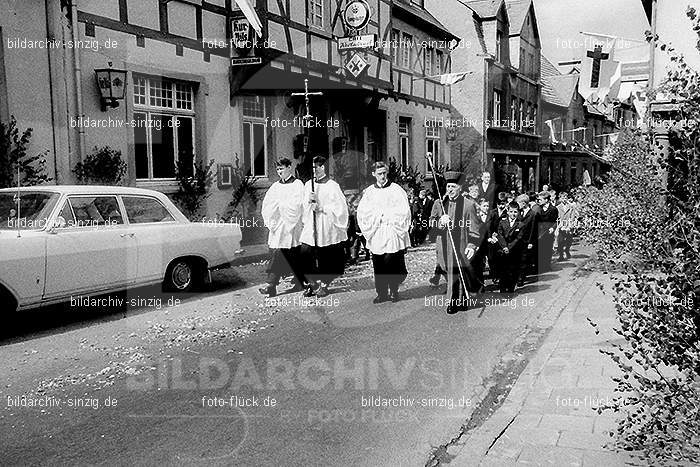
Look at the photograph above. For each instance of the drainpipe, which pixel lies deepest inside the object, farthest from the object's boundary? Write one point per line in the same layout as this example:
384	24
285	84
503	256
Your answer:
52	96
78	78
652	44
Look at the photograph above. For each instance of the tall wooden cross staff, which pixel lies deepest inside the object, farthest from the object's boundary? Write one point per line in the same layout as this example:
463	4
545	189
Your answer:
306	117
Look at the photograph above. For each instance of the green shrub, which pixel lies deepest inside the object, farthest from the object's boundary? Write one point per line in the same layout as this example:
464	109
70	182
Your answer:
193	187
104	166
647	229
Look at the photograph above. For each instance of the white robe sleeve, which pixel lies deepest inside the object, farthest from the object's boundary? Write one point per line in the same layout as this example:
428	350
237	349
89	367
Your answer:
336	206
400	211
368	214
270	207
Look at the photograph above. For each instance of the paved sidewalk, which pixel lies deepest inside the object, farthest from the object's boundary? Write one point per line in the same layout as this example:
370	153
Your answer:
549	416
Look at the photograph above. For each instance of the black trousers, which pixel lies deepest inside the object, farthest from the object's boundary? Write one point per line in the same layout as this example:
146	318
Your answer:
389	271
544	252
509	270
564	245
322	263
283	261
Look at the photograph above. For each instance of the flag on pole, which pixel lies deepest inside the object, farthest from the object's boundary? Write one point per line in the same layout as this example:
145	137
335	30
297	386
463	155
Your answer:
598	65
250	14
552	136
452	78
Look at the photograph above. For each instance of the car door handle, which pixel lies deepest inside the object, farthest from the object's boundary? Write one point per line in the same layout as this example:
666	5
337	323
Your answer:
125	234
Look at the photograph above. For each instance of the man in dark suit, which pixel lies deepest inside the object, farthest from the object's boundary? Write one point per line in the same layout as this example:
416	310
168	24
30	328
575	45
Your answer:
510	244
494	218
527	221
487	189
546	223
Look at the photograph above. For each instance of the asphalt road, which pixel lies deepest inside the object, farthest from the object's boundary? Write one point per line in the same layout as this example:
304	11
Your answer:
226	378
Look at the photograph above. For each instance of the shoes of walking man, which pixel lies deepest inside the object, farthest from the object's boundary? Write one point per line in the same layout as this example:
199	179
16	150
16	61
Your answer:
269	290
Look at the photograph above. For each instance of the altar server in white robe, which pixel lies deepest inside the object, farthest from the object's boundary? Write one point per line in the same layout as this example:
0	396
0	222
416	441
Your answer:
282	210
384	217
325	231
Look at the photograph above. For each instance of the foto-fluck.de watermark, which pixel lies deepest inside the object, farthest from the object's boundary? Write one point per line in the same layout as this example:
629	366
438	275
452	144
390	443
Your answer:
303	302
657	301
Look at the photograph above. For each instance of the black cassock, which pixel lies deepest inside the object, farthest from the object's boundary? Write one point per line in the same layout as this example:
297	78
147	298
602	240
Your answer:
458	230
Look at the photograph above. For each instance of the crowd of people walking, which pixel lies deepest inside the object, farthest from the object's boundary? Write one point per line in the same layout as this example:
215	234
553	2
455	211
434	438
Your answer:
315	231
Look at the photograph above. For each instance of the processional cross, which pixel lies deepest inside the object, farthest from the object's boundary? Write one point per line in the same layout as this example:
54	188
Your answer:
306	95
306	117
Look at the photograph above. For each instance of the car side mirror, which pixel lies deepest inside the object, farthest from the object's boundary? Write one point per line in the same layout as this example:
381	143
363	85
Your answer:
58	223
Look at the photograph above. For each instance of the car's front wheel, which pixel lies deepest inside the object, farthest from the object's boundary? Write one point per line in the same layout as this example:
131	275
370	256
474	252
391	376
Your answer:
183	275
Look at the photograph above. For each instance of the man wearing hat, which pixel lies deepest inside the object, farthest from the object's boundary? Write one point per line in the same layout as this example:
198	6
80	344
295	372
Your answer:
454	245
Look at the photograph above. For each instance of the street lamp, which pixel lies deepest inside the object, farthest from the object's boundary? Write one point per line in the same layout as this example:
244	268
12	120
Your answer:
112	85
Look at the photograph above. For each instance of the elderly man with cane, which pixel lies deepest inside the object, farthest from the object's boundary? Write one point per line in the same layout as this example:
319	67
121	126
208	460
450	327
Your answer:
453	242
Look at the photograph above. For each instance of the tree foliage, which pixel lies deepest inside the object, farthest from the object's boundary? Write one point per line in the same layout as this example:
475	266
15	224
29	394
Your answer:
13	155
645	222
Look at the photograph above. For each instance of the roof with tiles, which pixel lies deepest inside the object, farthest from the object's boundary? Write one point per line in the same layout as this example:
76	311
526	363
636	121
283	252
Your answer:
484	8
557	89
517	11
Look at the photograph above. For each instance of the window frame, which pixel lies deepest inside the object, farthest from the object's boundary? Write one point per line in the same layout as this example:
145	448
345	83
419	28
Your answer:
128	218
311	15
404	137
172	112
433	136
496	103
406	52
253	121
116	197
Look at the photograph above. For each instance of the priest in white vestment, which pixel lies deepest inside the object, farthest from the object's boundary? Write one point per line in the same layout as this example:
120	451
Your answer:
282	210
384	217
324	233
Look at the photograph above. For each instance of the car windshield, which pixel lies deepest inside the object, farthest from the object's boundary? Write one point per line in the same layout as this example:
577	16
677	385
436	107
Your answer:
34	210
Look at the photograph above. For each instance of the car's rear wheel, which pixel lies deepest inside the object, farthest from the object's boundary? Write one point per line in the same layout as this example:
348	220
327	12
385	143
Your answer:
7	300
183	275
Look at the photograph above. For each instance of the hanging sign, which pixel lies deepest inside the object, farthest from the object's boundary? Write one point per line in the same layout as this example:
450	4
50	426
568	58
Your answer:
357	14
356	65
242	34
366	41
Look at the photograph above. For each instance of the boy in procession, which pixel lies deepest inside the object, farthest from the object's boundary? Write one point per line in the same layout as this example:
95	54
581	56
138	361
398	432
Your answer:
384	216
323	237
510	242
281	212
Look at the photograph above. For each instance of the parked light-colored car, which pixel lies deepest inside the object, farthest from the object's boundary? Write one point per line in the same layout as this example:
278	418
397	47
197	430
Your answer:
75	240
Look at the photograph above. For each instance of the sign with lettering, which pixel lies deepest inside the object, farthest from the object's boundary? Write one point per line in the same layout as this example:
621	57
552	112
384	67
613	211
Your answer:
357	14
356	65
242	34
366	41
246	61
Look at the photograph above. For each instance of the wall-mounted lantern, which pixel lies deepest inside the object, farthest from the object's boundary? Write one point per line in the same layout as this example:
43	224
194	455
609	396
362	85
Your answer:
112	84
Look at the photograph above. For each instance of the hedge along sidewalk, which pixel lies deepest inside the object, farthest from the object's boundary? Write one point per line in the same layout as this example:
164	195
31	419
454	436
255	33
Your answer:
549	416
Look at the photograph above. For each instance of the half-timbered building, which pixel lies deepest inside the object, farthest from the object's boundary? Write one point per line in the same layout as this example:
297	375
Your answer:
213	80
